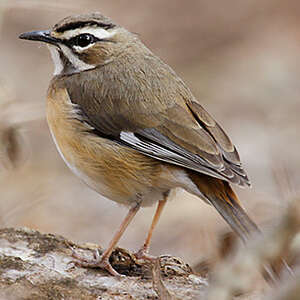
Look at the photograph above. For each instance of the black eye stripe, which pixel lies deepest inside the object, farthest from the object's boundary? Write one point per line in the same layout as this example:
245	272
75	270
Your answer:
75	41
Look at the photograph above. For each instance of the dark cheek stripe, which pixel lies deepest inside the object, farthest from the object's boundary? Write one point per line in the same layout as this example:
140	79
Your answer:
67	65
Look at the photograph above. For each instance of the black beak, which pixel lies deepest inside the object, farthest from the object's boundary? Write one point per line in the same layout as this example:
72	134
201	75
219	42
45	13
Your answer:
41	36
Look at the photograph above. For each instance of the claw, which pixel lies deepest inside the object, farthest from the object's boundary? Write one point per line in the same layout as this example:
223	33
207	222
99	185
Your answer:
143	254
96	262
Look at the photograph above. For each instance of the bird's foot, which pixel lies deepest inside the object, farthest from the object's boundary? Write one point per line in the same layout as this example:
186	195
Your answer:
97	261
143	254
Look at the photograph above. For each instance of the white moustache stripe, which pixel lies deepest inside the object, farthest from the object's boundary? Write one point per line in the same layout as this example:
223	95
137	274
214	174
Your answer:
78	64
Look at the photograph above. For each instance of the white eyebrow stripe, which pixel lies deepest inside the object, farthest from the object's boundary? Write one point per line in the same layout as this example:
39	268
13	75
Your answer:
99	33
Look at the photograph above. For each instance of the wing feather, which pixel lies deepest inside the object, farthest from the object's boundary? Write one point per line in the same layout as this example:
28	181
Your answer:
147	107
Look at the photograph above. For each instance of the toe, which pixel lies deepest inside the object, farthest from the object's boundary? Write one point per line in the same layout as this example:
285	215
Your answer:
96	262
105	264
143	254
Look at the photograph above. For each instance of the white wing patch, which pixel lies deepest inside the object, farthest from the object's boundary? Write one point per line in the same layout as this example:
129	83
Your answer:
160	152
159	148
130	138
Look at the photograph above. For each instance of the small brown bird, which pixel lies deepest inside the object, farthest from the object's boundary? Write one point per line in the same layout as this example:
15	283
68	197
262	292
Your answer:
129	127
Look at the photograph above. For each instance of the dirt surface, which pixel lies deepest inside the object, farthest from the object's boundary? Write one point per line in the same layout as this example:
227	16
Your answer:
40	266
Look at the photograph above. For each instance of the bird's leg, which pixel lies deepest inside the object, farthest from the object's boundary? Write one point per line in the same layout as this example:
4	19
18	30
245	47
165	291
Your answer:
103	260
143	252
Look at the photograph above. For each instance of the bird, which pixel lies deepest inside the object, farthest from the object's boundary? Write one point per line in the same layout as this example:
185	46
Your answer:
126	124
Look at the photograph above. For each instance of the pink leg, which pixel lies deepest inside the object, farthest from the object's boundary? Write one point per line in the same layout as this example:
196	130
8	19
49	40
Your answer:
103	261
143	252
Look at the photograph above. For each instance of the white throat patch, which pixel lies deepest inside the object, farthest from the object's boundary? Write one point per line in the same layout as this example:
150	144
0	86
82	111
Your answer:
58	65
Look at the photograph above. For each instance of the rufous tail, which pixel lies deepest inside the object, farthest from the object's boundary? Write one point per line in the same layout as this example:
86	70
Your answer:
219	193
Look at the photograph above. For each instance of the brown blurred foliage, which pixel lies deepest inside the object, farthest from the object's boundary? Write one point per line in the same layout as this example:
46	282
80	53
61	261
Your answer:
241	60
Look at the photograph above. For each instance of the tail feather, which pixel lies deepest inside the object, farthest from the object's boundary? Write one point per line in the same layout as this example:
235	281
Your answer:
236	217
223	198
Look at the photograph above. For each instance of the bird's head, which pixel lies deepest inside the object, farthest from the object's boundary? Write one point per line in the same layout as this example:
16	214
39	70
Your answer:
83	42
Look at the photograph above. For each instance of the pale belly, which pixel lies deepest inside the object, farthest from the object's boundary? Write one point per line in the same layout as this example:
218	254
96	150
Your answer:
110	181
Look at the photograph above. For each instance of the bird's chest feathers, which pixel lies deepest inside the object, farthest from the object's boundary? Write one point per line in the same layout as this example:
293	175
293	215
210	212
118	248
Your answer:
117	172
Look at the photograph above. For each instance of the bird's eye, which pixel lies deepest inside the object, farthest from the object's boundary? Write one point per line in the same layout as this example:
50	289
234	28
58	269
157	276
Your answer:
83	40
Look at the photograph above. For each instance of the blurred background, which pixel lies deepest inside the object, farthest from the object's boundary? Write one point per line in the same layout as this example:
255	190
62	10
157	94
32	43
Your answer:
242	61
